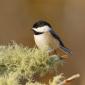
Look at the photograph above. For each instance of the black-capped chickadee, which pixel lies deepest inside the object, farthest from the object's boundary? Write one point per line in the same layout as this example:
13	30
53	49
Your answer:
46	38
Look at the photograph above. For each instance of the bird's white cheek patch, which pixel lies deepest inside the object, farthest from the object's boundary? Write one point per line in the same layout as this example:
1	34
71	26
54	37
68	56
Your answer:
42	29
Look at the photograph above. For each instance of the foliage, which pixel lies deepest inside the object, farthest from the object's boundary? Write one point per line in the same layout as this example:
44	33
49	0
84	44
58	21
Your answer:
19	65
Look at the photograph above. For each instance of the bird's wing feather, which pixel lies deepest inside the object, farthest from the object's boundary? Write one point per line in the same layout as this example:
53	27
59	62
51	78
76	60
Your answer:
62	46
56	36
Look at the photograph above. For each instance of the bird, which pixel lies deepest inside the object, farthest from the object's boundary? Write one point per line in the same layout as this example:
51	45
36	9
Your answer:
46	38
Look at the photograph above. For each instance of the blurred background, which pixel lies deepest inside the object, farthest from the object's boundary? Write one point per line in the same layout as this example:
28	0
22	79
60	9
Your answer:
66	16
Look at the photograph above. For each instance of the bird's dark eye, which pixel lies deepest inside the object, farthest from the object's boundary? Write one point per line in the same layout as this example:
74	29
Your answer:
40	24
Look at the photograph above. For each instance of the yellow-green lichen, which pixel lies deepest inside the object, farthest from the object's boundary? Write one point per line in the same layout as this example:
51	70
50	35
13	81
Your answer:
19	64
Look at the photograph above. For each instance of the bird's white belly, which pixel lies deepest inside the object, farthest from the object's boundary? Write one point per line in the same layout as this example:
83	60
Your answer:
44	41
41	41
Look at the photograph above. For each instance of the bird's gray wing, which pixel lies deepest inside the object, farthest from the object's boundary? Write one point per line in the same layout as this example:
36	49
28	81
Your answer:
62	46
56	36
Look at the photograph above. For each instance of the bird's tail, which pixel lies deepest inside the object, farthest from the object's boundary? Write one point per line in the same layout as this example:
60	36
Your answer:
67	50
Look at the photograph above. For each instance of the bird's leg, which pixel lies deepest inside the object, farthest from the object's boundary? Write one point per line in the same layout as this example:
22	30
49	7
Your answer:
51	52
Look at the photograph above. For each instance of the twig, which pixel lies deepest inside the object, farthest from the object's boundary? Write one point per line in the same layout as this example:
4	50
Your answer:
70	79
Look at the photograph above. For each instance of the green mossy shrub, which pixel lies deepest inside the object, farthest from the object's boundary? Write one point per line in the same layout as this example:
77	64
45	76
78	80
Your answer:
19	65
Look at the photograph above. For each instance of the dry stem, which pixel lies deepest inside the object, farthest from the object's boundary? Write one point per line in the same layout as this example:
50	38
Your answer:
70	79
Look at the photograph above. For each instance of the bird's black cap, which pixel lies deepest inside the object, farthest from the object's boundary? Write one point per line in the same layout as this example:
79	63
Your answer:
41	23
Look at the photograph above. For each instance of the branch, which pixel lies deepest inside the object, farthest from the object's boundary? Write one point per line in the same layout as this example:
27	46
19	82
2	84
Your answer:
70	79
